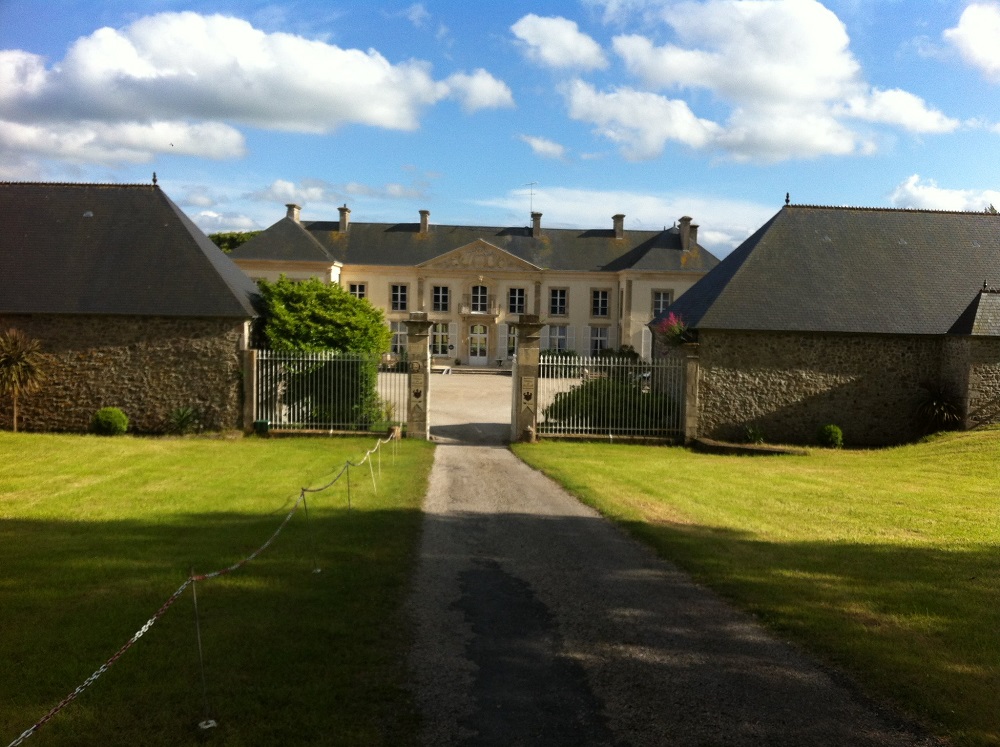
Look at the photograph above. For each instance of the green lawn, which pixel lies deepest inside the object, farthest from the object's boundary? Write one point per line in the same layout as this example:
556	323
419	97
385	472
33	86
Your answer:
885	563
95	534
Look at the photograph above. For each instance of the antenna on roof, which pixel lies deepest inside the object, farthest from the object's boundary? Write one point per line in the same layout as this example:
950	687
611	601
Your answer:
531	193
154	178
788	198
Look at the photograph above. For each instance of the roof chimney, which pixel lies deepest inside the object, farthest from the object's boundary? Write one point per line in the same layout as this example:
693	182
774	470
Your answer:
536	225
693	236
293	212
425	216
685	231
345	217
619	220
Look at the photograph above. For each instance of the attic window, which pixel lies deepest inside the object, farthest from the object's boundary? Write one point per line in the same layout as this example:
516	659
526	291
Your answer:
89	214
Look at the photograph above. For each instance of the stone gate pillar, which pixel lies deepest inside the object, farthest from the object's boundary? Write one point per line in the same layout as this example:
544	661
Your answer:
419	355
691	404
524	418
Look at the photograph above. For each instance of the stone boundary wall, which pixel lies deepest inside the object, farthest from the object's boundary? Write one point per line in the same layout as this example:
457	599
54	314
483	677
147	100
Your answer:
788	385
147	366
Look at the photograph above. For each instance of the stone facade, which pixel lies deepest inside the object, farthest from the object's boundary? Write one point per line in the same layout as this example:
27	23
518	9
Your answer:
788	385
147	366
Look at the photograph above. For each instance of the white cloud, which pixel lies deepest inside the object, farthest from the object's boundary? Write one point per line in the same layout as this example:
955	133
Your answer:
188	79
544	147
558	42
641	123
724	224
316	192
785	69
976	38
927	195
479	91
899	108
417	15
210	221
120	142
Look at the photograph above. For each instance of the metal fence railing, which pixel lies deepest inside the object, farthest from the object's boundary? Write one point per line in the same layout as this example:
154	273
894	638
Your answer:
610	396
329	391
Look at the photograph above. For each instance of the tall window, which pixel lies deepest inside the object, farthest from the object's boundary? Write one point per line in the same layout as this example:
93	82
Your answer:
558	337
398	296
358	290
511	341
598	339
439	338
480	299
398	330
440	298
515	301
661	300
557	301
599	303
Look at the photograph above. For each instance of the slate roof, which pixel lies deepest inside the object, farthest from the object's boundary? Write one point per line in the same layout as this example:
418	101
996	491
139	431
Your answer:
286	240
854	270
402	244
111	249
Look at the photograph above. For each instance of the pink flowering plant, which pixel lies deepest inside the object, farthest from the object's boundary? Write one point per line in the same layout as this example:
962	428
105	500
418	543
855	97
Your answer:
672	329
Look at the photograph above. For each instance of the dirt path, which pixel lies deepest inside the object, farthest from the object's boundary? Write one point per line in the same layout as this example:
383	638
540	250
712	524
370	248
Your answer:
540	623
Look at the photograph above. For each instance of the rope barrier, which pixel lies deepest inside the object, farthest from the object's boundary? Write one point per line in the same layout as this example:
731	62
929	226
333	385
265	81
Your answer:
192	578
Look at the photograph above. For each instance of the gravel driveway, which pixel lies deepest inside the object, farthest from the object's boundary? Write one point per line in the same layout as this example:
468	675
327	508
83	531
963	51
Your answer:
537	622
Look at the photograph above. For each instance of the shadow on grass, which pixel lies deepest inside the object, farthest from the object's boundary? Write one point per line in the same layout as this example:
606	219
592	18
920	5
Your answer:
291	656
916	622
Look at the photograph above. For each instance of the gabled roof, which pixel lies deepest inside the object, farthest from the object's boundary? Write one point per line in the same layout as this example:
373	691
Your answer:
857	270
287	240
111	249
402	244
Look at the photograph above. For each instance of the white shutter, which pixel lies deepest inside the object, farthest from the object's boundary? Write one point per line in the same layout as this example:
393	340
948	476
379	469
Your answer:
452	338
501	340
571	338
647	344
546	343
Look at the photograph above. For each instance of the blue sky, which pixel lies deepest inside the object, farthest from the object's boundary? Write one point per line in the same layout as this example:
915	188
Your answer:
651	108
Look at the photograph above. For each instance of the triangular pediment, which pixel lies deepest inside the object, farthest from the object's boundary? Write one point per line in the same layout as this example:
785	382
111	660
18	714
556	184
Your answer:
479	255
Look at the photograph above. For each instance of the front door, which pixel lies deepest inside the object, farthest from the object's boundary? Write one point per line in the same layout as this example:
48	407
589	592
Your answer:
477	345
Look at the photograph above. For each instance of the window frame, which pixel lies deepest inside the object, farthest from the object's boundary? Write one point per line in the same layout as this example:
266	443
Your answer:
440	338
441	298
358	290
597	334
668	292
480	305
555	293
520	307
399	296
597	301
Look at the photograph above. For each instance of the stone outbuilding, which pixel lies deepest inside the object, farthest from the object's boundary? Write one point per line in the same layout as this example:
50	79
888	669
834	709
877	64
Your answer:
134	306
849	316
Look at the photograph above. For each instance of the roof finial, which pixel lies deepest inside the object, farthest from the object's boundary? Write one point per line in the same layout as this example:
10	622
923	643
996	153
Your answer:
788	198
154	178
984	285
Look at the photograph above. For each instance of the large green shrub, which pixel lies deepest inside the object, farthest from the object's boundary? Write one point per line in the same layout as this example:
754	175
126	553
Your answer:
109	421
313	315
610	404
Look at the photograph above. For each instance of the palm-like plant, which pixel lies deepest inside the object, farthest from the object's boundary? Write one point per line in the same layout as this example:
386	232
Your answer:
21	365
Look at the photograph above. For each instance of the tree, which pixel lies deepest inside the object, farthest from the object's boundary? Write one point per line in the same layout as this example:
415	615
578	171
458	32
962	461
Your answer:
313	315
21	366
229	240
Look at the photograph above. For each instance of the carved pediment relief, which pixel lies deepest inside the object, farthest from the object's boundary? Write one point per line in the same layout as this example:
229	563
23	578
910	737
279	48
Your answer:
479	255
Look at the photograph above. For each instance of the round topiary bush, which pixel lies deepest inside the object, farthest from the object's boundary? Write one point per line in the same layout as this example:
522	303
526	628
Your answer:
831	436
109	421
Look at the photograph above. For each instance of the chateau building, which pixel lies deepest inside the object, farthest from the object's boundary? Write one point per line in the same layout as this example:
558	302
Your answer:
594	289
